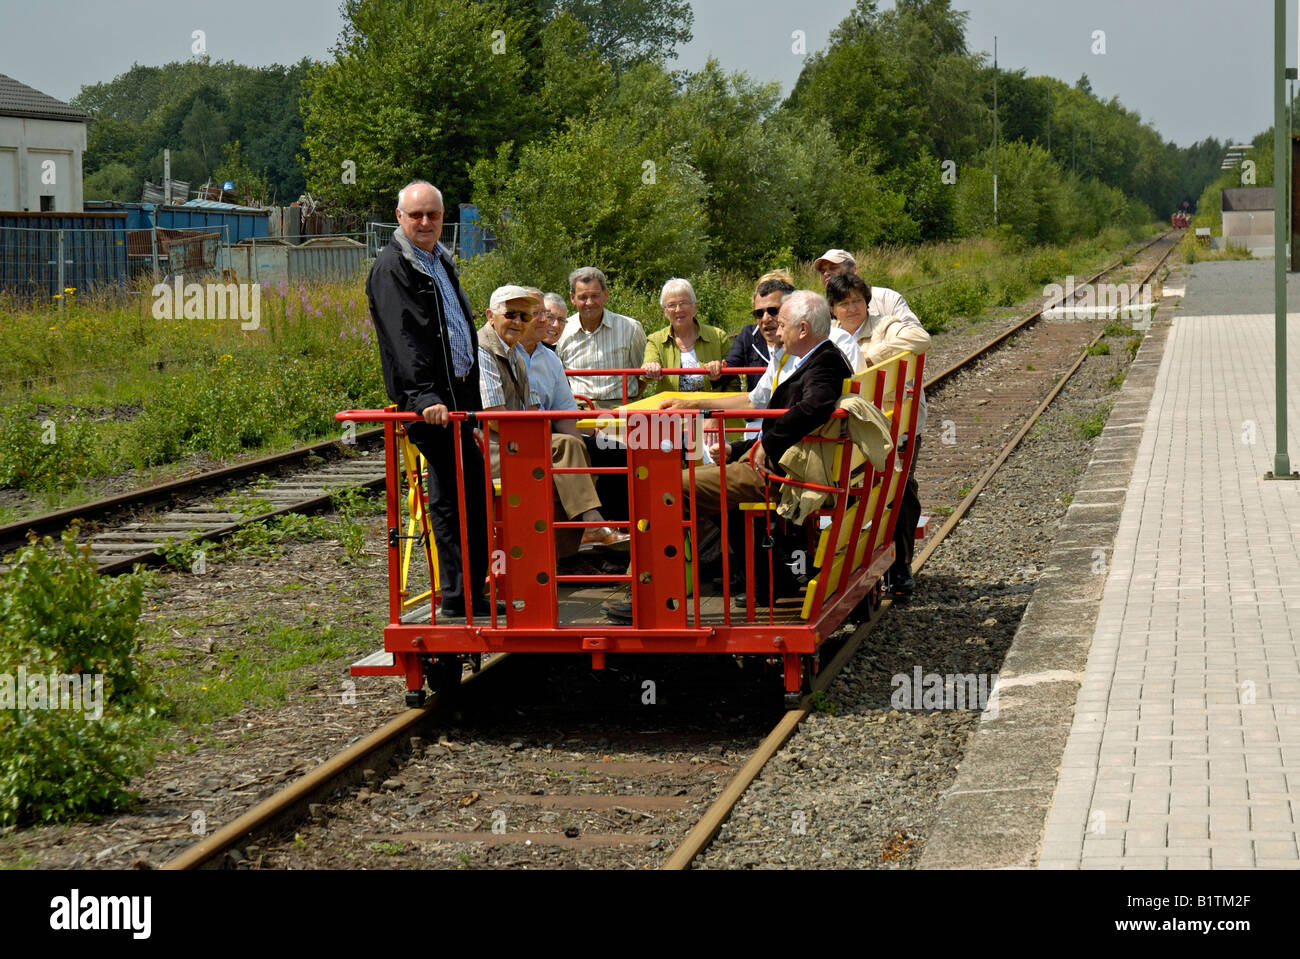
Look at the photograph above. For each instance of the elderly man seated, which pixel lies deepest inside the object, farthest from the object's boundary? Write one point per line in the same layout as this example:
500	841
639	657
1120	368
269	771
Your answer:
504	386
805	378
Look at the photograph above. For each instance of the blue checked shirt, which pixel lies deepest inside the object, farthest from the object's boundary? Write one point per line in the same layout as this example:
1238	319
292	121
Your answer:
459	330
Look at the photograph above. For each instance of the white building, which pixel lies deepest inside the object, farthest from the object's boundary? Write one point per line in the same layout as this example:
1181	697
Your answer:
41	145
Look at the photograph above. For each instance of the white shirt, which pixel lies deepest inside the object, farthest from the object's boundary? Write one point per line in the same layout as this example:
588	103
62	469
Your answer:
550	387
760	397
618	343
690	382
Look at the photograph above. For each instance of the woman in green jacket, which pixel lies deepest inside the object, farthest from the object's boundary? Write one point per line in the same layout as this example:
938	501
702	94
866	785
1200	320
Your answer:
685	344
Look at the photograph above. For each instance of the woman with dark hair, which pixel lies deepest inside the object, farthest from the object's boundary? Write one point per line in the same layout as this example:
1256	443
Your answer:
879	338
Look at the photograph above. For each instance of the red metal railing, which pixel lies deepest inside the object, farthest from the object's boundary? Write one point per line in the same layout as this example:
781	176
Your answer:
521	529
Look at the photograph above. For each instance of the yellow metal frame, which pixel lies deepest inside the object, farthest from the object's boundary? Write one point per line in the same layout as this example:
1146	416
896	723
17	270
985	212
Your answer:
863	505
417	523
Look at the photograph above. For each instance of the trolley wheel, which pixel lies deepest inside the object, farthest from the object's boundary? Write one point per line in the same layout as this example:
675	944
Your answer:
415	698
443	675
809	667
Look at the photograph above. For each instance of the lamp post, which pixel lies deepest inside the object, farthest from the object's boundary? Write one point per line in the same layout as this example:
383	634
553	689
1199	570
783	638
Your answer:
1281	461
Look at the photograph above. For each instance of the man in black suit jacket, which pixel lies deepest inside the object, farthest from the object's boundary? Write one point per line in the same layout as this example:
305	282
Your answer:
429	352
806	378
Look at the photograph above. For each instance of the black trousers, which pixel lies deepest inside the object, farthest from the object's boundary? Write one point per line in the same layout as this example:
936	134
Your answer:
909	513
435	443
611	488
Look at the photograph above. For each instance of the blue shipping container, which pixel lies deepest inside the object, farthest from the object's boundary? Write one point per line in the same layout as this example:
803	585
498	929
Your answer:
94	252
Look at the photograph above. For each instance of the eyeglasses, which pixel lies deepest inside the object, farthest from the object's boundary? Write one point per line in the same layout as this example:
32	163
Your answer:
417	217
770	311
515	315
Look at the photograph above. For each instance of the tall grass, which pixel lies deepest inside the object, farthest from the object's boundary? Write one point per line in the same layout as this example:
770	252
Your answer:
102	386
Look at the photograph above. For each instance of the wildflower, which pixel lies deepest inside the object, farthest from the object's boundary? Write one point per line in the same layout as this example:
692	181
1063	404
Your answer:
343	334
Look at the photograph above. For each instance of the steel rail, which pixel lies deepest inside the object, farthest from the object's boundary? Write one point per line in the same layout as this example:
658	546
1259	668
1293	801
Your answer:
286	804
15	533
1028	321
698	839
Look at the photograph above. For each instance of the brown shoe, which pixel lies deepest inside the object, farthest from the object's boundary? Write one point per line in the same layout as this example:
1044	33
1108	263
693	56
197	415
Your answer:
602	536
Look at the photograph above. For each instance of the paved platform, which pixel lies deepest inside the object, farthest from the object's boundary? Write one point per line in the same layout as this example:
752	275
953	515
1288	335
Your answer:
1182	747
1185	746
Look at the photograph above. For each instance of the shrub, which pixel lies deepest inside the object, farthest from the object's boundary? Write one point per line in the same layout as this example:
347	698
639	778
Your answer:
58	616
44	451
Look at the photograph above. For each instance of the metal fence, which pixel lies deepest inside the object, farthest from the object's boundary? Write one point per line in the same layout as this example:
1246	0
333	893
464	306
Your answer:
378	236
40	263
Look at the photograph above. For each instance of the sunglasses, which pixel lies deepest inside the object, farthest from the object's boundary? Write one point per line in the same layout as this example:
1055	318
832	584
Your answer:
770	311
515	315
417	217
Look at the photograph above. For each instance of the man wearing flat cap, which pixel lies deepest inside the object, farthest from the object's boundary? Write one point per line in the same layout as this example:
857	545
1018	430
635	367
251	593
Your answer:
505	386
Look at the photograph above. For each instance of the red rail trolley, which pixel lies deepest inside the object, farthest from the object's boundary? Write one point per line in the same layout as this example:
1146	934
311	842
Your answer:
849	540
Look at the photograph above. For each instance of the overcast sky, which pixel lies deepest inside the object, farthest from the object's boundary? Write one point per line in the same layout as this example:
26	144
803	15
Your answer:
1193	68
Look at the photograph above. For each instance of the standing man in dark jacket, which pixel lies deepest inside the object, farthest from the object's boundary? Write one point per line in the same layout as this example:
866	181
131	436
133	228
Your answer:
430	357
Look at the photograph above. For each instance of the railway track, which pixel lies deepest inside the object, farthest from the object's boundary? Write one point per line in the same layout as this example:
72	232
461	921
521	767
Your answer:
600	804
134	528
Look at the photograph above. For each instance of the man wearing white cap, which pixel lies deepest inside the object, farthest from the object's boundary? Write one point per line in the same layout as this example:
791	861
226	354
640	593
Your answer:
886	328
504	386
884	301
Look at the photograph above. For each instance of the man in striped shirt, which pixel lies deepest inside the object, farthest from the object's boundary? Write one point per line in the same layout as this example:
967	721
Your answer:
595	338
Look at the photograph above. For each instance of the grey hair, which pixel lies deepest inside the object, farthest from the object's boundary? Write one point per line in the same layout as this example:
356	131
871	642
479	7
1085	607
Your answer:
677	285
401	194
586	274
556	299
810	308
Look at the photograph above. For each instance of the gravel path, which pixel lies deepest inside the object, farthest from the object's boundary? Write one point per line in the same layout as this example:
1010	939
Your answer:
859	782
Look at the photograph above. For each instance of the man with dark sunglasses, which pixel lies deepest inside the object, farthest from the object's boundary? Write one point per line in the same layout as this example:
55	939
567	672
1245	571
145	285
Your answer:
754	343
429	354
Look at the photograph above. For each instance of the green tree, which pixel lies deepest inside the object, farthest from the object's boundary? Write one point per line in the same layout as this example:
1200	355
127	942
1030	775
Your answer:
601	193
576	79
114	181
416	89
632	31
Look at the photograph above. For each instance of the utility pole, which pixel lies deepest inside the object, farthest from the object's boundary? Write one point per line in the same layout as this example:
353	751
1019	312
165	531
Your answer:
995	130
1281	461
